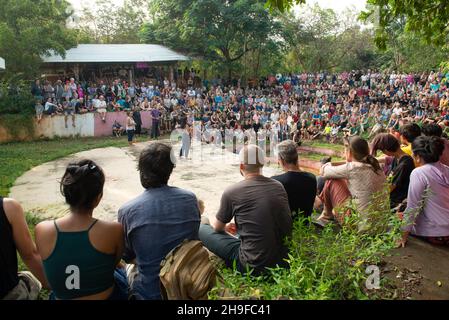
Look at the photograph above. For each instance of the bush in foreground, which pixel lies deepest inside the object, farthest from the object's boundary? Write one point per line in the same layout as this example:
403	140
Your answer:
324	264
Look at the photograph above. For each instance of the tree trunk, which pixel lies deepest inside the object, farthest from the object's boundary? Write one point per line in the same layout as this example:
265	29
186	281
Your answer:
258	64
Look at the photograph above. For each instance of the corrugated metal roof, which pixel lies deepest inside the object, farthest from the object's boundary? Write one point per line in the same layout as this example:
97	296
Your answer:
2	63
117	53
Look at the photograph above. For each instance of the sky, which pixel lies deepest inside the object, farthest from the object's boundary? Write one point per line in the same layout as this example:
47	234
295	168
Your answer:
337	5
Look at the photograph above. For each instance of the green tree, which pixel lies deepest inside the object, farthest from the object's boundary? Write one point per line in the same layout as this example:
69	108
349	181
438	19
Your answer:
320	39
283	5
408	51
428	19
223	31
109	23
30	29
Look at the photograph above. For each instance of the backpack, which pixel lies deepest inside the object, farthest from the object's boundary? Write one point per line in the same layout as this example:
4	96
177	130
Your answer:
187	272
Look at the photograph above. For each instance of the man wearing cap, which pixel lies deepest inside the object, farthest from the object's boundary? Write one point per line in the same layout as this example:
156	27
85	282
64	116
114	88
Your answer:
259	206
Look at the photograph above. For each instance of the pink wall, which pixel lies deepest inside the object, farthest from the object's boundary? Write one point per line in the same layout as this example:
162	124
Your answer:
105	128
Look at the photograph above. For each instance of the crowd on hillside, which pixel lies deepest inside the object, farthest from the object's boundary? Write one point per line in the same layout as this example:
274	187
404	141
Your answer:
122	260
296	106
403	171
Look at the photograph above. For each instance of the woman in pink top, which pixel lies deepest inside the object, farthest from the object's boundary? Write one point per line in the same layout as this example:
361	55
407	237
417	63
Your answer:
427	213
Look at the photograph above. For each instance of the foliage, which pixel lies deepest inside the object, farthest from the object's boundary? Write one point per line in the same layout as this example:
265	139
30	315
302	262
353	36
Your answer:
324	264
222	31
409	52
320	39
428	18
283	5
15	98
111	24
30	29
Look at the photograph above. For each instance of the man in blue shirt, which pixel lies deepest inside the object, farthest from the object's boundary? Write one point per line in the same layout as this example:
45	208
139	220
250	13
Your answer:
157	221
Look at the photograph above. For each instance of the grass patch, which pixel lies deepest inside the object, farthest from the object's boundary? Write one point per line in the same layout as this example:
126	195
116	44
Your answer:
325	145
327	264
318	157
18	157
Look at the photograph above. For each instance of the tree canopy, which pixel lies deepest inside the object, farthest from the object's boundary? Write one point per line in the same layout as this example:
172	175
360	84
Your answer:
427	18
109	23
217	30
29	29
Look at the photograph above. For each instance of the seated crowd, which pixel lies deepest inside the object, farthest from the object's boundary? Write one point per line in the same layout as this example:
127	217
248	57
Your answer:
294	106
80	257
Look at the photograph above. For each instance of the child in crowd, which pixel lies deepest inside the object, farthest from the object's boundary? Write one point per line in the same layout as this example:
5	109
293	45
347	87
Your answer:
117	129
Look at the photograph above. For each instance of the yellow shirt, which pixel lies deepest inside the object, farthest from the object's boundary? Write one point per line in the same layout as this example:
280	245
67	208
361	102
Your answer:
408	150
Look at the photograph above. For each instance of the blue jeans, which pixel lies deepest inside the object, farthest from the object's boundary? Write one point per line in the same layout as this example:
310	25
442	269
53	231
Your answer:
155	130
222	244
130	135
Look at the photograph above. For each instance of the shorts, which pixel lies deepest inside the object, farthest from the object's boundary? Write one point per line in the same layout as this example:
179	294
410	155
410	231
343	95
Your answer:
39	109
101	110
68	112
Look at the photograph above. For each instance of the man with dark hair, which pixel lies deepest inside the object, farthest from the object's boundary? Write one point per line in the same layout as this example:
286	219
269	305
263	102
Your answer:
434	130
157	221
301	186
409	133
262	215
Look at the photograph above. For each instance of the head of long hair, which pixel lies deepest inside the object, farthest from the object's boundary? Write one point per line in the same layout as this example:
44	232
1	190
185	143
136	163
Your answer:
360	151
384	142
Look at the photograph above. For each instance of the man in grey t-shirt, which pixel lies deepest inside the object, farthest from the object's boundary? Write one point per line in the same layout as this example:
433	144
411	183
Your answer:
262	215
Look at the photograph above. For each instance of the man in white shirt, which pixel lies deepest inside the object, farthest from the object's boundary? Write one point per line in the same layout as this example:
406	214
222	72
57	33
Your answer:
100	106
191	93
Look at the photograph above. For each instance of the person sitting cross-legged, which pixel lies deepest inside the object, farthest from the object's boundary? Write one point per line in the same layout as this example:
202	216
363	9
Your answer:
359	179
301	187
156	222
262	216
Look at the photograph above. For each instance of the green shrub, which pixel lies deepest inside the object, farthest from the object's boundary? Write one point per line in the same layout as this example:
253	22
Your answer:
16	98
324	264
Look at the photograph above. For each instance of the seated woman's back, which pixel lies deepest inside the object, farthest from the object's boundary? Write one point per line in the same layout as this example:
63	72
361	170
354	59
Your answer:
428	199
363	181
79	252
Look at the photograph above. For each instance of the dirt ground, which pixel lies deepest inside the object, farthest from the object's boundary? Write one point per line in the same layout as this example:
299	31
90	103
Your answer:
419	271
207	174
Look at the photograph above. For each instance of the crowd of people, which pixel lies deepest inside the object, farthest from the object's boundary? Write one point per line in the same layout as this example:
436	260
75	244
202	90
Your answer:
295	106
402	170
121	260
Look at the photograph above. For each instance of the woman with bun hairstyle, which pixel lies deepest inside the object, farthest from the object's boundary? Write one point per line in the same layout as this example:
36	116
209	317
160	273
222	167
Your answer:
358	179
427	213
80	253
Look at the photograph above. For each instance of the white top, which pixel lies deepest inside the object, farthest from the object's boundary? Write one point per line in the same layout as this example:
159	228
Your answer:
130	124
363	182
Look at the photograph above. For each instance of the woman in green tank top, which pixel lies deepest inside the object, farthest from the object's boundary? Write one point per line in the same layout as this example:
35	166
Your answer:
80	254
